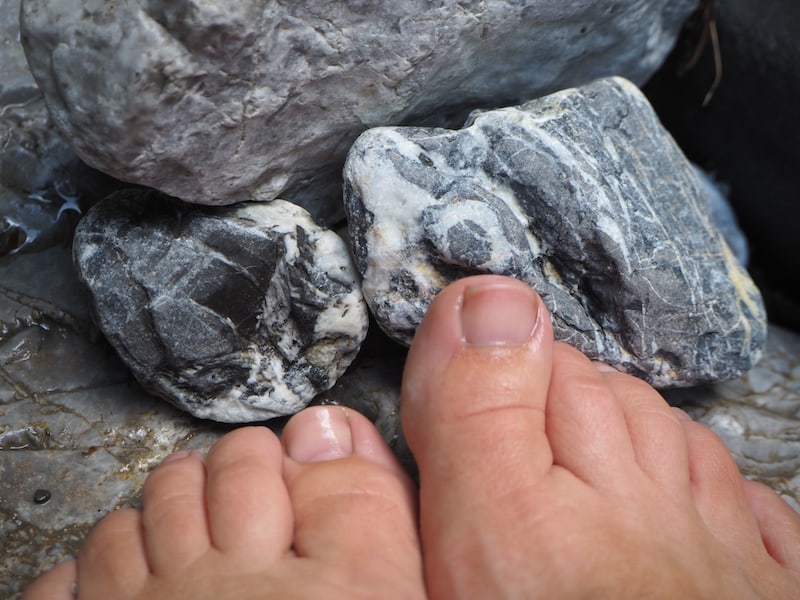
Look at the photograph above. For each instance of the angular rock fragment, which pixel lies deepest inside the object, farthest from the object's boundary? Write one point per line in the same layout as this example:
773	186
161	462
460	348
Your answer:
583	195
235	314
217	102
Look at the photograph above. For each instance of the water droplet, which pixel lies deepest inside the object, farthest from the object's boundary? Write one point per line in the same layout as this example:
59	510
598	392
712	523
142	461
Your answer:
42	496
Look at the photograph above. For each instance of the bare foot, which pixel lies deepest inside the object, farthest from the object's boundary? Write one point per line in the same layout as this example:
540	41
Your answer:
545	475
328	515
542	475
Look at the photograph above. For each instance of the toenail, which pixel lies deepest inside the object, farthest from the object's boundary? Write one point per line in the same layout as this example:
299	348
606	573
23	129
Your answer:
323	435
603	367
498	315
177	456
681	414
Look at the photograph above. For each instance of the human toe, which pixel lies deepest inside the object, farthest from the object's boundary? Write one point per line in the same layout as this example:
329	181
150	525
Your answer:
59	583
778	523
248	505
656	432
174	512
354	506
112	562
473	411
717	488
479	364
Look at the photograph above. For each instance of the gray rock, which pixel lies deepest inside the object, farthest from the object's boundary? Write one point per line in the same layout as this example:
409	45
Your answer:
235	314
723	216
37	194
218	102
757	415
583	195
753	150
43	185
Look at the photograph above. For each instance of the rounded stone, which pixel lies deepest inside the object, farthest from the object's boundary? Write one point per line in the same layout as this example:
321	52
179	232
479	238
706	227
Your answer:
239	313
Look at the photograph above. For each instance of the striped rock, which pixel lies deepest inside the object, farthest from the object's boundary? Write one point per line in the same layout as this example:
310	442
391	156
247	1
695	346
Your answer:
236	314
583	195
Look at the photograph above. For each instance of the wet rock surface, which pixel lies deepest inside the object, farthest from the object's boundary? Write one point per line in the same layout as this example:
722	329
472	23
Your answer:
235	314
263	99
583	195
44	187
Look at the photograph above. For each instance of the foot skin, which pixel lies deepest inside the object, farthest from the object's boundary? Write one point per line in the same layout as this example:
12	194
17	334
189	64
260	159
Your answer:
542	474
327	513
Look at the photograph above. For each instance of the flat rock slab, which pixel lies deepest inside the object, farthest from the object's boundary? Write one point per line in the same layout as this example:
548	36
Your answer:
236	314
218	102
583	195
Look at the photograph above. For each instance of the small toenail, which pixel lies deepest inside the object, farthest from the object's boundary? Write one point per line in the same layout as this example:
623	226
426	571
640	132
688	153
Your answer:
323	435
681	414
603	367
498	315
177	456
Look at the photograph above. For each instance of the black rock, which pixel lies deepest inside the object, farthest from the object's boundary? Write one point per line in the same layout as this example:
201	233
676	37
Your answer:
235	314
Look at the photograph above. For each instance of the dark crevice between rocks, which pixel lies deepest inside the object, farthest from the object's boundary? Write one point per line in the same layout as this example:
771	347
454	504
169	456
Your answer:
746	134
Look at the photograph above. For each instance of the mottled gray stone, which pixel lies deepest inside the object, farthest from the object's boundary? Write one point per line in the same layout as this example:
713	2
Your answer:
218	102
583	195
235	314
723	216
747	132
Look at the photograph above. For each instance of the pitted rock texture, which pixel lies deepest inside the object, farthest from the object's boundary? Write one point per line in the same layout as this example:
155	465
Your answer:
235	314
583	195
218	102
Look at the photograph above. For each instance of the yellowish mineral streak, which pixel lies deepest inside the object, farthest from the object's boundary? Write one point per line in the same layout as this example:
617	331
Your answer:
748	294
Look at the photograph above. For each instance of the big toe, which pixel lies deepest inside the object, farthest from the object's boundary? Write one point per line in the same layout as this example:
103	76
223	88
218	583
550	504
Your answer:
473	409
355	508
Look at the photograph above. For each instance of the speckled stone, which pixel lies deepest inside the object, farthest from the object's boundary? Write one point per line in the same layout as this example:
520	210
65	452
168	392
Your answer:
235	314
583	195
217	102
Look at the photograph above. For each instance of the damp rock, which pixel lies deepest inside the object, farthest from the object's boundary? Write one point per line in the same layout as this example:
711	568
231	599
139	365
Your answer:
217	102
583	195
236	314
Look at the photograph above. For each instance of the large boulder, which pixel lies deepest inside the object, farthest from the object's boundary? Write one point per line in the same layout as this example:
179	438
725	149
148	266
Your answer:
218	102
583	195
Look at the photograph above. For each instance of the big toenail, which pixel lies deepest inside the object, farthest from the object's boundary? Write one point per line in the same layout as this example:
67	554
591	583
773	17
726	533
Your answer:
498	315
324	434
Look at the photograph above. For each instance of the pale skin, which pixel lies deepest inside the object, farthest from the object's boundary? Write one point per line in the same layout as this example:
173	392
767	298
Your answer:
542	475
